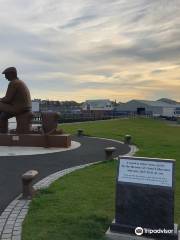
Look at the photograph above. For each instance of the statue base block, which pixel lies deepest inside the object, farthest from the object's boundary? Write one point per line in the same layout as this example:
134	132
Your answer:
35	140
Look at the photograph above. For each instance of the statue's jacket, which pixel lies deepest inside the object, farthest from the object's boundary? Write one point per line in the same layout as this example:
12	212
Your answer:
18	96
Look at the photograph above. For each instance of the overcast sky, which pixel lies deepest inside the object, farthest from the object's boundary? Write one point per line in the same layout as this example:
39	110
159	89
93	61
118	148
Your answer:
89	49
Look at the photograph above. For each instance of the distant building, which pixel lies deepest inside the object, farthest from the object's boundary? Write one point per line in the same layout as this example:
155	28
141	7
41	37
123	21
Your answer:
56	106
35	106
145	107
97	105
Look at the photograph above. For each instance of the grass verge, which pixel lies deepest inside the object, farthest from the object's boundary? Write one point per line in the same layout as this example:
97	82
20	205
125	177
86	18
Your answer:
80	206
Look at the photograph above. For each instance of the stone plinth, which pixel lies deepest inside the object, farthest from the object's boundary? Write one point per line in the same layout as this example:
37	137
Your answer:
123	236
35	140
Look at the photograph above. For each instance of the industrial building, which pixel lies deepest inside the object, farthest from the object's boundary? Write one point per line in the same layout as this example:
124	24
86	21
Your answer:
145	107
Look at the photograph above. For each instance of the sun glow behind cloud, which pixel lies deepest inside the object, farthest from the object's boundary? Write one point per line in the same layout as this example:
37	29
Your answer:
93	49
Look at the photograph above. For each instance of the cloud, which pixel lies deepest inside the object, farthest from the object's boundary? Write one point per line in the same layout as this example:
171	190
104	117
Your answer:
79	21
144	50
118	49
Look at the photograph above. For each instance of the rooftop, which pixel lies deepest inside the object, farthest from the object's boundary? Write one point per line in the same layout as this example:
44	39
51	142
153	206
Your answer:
156	103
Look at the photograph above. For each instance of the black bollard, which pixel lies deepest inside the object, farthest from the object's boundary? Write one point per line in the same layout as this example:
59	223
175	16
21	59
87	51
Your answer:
128	139
80	132
109	152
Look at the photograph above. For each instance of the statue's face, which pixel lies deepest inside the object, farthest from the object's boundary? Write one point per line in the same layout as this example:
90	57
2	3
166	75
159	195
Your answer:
9	76
6	76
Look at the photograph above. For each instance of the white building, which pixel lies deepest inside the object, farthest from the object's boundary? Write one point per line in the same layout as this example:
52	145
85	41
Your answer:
35	106
97	105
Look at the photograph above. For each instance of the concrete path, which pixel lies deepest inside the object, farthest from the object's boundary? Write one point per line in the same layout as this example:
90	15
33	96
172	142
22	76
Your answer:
12	167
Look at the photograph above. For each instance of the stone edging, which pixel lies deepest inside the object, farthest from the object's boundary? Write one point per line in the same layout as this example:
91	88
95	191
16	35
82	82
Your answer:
13	216
11	219
27	151
133	148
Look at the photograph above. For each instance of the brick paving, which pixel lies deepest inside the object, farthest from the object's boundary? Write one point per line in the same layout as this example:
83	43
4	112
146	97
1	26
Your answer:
11	219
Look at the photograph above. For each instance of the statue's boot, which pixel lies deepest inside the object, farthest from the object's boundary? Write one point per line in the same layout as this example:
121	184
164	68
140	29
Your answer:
3	125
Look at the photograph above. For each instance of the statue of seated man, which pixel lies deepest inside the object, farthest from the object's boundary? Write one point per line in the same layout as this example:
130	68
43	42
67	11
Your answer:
16	101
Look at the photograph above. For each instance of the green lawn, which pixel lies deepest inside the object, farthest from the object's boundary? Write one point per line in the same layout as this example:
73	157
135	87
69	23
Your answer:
80	206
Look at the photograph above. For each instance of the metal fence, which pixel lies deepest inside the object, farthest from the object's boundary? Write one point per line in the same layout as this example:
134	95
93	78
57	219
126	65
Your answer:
82	117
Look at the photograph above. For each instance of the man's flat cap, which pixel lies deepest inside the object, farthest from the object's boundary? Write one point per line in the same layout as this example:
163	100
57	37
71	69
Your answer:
10	69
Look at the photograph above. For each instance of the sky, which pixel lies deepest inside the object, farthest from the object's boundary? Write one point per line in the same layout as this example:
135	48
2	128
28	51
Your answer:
89	49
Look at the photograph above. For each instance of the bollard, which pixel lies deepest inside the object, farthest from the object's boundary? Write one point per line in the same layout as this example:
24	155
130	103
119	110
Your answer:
27	179
80	132
178	120
128	139
109	152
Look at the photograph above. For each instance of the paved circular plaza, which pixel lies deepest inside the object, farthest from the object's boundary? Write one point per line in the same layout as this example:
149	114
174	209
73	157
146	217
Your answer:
14	162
